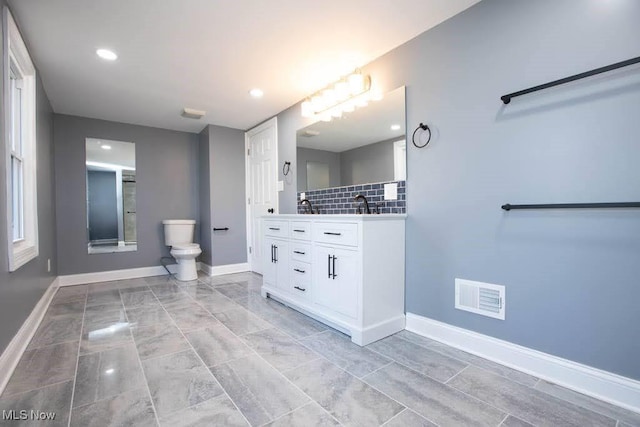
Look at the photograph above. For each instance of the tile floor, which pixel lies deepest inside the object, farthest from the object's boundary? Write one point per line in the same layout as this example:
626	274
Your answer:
212	352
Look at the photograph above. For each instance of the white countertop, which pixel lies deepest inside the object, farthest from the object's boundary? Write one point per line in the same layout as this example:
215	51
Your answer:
337	217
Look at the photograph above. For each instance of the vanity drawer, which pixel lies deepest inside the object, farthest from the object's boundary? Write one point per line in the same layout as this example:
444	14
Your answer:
300	252
300	272
276	228
336	233
301	230
300	279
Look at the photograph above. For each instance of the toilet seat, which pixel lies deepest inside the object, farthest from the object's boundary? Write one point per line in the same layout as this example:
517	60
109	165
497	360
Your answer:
186	246
186	249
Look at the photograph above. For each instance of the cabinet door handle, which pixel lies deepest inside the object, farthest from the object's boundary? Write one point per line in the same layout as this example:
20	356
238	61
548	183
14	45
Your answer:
332	233
329	266
221	229
298	252
298	231
272	253
334	268
299	288
276	252
298	270
274	228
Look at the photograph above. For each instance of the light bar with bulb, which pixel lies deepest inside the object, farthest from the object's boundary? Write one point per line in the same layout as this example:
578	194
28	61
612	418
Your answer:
344	96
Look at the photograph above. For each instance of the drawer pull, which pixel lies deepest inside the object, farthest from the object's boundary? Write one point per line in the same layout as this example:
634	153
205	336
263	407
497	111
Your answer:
274	228
298	252
299	288
298	231
298	270
332	234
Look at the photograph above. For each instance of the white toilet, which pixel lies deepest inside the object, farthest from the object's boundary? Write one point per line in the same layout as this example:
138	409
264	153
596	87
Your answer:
178	234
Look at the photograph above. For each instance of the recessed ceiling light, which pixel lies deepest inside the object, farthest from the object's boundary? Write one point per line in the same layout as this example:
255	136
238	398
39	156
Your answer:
256	93
395	127
107	54
105	147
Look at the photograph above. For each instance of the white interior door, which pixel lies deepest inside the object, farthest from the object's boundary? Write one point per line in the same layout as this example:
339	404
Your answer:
262	185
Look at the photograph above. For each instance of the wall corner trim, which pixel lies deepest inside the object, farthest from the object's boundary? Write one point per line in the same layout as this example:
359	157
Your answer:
17	346
219	270
603	385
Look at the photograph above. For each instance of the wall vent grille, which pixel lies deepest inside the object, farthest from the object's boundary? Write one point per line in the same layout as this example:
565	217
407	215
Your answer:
480	298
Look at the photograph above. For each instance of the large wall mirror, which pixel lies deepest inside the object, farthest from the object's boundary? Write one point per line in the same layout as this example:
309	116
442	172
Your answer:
111	196
365	146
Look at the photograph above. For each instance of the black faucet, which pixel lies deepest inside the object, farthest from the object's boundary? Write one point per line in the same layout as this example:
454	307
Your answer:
366	203
310	208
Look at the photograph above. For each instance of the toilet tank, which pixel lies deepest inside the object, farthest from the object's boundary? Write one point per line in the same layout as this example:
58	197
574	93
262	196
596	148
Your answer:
178	231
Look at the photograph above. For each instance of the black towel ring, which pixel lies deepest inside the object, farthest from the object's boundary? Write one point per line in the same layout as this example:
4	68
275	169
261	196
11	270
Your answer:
286	167
424	128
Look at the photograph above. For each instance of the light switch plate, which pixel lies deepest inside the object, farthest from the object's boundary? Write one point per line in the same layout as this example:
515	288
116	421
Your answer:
280	185
391	191
303	196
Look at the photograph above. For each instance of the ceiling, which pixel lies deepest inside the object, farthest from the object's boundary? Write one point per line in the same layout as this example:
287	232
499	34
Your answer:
207	54
364	126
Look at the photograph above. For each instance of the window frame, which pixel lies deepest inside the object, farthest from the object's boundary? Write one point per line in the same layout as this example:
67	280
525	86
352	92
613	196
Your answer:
16	60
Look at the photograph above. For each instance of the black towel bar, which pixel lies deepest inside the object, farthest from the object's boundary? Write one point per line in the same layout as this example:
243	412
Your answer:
509	207
507	98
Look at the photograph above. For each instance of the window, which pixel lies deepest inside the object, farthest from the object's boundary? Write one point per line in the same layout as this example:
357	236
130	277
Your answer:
20	137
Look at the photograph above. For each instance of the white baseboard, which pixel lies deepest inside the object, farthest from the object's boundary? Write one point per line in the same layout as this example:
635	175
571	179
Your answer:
107	276
603	385
135	273
12	354
378	331
219	270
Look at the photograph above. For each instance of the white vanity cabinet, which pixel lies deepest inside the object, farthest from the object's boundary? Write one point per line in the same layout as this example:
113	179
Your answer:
344	270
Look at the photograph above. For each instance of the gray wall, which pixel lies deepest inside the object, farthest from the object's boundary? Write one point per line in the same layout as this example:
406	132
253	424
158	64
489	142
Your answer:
204	176
370	163
166	184
304	155
103	209
228	205
571	276
21	290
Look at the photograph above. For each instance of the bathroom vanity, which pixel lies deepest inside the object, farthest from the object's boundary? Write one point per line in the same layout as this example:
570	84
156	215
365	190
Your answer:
345	270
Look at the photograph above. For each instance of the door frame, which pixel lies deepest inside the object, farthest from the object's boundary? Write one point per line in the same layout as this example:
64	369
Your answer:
272	122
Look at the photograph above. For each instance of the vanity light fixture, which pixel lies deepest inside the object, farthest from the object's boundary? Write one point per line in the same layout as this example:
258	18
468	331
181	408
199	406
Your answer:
107	54
344	96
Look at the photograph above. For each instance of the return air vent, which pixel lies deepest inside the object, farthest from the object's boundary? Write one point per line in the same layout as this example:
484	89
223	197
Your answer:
480	298
309	133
